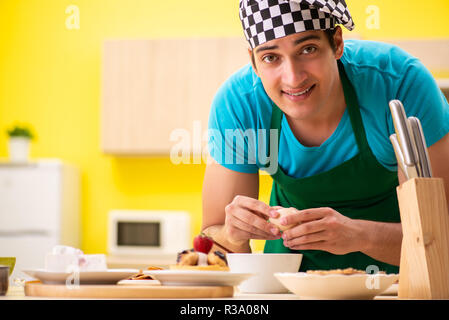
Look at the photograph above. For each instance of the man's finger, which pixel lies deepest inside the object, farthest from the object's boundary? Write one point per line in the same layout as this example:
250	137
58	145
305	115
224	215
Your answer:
304	229
254	205
306	239
273	211
319	245
251	232
252	223
305	216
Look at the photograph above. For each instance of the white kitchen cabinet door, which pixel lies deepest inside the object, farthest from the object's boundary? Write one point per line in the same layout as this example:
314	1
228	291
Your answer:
29	250
40	199
29	198
39	209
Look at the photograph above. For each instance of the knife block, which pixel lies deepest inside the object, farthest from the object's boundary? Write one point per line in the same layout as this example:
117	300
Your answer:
424	265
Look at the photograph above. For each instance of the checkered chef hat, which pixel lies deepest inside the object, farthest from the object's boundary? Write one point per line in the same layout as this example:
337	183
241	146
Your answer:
265	20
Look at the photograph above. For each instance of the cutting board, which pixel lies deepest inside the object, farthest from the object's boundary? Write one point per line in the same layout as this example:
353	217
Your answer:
38	289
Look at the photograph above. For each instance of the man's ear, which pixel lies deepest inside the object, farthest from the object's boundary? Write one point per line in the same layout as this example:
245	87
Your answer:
339	43
253	61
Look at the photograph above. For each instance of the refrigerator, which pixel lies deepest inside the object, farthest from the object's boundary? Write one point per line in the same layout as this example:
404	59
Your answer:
39	208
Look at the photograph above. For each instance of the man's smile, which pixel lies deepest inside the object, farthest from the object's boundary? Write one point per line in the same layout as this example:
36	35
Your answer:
298	95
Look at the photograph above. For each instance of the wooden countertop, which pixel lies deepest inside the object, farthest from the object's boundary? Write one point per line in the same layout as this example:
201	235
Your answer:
17	293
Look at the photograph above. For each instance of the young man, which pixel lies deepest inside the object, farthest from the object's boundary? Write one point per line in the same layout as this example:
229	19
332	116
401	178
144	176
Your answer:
327	103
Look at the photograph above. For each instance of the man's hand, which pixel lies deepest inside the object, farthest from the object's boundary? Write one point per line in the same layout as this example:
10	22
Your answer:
246	218
323	229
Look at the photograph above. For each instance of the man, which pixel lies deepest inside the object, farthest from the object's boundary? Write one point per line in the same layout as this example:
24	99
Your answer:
328	103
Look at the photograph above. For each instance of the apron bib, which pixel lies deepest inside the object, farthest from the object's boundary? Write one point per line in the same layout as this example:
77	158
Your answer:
360	188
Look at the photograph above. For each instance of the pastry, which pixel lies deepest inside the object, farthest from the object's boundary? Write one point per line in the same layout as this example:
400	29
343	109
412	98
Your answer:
283	213
217	258
200	257
140	276
154	268
196	260
188	258
347	271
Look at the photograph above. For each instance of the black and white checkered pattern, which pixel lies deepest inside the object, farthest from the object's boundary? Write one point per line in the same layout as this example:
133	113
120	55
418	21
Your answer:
265	20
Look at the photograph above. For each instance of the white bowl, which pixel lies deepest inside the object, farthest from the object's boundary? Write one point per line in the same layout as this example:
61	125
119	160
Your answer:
264	266
336	286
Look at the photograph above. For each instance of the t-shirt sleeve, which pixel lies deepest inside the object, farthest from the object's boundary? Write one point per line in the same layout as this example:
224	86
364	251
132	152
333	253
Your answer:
231	133
422	98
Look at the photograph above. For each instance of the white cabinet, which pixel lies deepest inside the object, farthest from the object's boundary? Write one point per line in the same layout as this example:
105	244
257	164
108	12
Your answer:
39	208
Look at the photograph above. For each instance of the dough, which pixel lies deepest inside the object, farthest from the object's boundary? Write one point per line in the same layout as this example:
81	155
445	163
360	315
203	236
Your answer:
282	213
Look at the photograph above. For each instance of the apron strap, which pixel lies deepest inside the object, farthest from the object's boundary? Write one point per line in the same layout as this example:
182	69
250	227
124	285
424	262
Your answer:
353	109
276	120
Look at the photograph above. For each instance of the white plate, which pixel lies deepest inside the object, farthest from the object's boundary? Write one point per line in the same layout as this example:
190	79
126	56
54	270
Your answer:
336	286
139	282
198	278
109	276
392	290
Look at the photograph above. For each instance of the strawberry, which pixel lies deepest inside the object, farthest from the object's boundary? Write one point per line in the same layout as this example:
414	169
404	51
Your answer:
202	243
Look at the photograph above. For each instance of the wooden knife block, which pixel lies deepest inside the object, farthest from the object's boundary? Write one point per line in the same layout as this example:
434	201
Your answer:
424	268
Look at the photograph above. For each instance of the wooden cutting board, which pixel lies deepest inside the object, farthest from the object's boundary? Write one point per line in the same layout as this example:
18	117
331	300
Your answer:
38	289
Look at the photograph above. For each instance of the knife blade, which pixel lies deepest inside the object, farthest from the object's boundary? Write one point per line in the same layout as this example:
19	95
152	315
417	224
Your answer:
405	138
403	132
421	146
398	153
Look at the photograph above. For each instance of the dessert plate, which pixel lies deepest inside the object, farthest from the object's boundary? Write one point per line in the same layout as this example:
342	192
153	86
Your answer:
109	276
198	278
336	286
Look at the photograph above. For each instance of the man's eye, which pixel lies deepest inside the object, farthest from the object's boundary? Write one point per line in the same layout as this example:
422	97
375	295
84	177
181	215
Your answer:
309	50
269	58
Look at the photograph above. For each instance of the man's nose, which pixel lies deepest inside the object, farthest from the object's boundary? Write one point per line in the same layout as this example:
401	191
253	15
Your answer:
293	74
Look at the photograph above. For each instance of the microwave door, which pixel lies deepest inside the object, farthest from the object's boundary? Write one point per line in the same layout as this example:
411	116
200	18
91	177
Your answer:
139	234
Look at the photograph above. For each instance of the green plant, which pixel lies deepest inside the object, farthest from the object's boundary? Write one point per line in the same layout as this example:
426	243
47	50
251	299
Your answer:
20	131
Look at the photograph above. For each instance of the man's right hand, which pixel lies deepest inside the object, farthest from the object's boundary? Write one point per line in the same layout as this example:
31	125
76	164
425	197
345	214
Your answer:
246	218
232	215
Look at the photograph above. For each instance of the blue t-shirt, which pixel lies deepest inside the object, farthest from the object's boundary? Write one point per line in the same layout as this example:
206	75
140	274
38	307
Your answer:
241	111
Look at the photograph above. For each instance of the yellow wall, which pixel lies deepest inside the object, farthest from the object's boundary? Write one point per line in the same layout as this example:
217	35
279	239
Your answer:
50	78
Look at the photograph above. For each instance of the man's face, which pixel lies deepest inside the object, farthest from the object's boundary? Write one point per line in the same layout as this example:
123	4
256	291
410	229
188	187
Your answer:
299	72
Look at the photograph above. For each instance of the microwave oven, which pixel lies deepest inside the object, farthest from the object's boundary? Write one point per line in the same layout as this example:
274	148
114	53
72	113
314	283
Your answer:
141	232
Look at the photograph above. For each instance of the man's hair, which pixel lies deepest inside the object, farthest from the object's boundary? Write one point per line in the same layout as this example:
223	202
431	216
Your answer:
329	35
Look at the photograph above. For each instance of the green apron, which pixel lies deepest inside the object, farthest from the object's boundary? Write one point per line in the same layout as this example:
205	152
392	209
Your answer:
360	188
